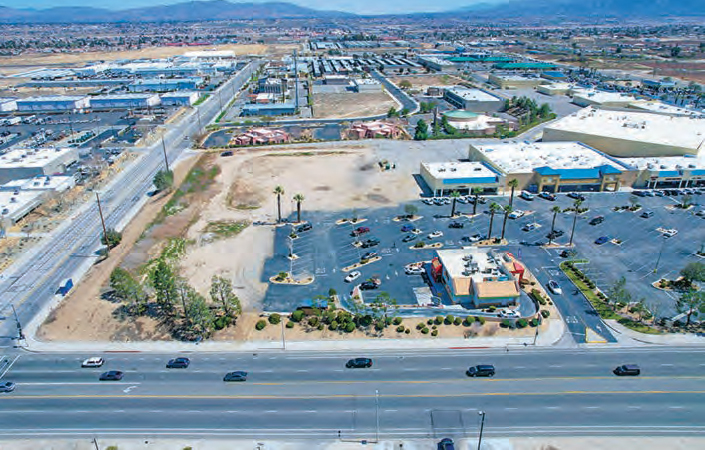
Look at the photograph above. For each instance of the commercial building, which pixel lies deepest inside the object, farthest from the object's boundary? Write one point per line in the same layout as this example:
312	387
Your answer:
375	129
124	101
665	109
511	81
476	277
16	205
44	183
52	103
472	99
601	98
475	123
276	109
442	178
261	136
554	88
669	171
554	166
367	85
186	98
336	80
165	84
538	66
434	62
29	163
8	104
630	134
554	75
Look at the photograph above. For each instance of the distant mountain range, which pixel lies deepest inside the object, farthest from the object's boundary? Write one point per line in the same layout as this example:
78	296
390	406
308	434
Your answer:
225	10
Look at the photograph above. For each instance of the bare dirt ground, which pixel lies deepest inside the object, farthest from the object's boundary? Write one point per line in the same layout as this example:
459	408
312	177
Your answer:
424	81
347	105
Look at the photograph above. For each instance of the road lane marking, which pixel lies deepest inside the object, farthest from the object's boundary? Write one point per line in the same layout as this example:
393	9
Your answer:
74	383
9	366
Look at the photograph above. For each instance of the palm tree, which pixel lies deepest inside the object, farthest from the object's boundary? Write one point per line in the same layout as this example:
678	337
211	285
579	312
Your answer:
507	210
494	207
555	210
279	191
513	183
476	191
298	198
455	195
576	206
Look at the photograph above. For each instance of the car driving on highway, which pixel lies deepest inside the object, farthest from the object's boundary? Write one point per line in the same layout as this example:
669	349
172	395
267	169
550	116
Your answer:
178	363
94	361
112	375
7	386
481	370
238	375
359	363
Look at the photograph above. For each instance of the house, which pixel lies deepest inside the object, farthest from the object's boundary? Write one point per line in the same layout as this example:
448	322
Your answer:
261	136
376	129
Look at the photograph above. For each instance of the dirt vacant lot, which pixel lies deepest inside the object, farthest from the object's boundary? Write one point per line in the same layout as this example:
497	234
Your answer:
349	104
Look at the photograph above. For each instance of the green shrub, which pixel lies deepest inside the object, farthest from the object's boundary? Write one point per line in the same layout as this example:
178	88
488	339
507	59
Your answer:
492	309
545	313
420	325
290	324
425	330
297	315
534	322
457	321
259	326
320	327
397	321
429	322
407	331
275	318
469	320
313	321
434	333
112	447
188	448
448	319
333	326
349	327
222	322
521	323
400	329
480	319
506	323
438	320
435	327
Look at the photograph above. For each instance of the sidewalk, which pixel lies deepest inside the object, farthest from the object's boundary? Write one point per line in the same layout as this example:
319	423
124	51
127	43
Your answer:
547	338
655	339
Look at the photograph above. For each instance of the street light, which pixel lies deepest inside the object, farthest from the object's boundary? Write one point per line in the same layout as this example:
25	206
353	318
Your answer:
658	260
482	427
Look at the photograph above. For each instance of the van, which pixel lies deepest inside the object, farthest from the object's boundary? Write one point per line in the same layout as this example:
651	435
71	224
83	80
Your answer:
481	370
647	214
627	370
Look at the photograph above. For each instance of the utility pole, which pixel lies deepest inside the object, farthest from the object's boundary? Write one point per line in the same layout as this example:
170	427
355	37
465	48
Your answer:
377	414
283	336
95	443
166	160
482	427
102	222
20	334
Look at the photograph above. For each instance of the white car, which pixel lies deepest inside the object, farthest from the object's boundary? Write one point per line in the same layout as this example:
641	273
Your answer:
414	269
670	233
526	195
516	214
554	287
435	234
509	313
95	361
475	238
352	276
428	201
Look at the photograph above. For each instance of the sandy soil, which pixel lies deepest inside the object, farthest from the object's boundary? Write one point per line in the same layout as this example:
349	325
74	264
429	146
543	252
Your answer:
351	104
424	81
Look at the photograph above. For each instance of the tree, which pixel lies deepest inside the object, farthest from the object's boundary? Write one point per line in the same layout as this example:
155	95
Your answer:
163	180
222	293
686	201
200	316
513	183
618	293
507	210
163	281
455	195
392	112
544	111
421	133
405	84
410	209
694	271
555	210
298	198
494	207
691	303
576	205
126	287
675	51
111	237
404	112
279	191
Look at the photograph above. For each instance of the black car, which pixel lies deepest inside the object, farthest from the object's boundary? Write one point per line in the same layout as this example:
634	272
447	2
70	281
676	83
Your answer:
481	370
368	255
555	234
238	375
304	227
370	243
456	225
409	238
178	363
627	370
597	220
368	285
227	153
359	363
112	375
446	444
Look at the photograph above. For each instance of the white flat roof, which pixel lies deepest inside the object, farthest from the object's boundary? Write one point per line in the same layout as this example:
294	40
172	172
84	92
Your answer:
604	97
452	170
16	206
667	163
662	108
54	98
523	158
43	183
473	94
635	126
32	157
455	261
516	77
123	96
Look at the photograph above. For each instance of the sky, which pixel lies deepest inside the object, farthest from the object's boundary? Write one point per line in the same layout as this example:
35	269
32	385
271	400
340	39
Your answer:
356	6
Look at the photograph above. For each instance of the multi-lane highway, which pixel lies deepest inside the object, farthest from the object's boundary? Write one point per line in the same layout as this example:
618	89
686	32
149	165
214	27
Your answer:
410	394
33	280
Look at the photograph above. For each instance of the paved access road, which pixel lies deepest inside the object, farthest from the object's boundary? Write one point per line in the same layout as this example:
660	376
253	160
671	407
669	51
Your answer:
412	394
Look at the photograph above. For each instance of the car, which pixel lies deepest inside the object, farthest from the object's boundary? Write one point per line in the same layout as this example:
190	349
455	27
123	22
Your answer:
359	363
7	386
456	225
601	240
368	255
508	313
517	213
547	196
530	226
178	363
94	361
227	153
481	200
304	227
369	285
555	234
414	269
647	214
446	444
481	370
406	228
435	234
639	193
408	238
360	231
526	196
370	243
238	375
627	370
649	194
670	233
352	276
576	196
597	220
427	201
554	287
700	213
475	238
112	375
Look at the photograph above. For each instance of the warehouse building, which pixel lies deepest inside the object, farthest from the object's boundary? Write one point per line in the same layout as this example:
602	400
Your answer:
44	183
475	123
165	84
276	109
554	166
8	104
29	163
16	205
512	81
434	62
630	134
125	101
442	178
367	85
186	98
472	99
601	98
554	88
52	103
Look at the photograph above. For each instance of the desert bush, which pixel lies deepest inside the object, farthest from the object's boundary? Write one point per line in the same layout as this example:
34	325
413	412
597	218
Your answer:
275	318
313	321
438	320
457	321
297	315
349	327
545	313
400	329
425	330
333	326
448	319
397	321
434	333
480	319
290	324
521	323
407	331
506	323
259	326
469	320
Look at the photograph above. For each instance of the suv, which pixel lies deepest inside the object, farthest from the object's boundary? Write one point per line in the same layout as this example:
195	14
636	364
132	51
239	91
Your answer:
647	214
547	196
555	234
370	243
576	196
627	370
359	363
304	227
178	363
597	220
446	444
359	231
456	225
482	370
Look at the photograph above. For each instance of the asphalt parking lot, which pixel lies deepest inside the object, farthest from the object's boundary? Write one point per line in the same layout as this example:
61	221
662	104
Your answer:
642	257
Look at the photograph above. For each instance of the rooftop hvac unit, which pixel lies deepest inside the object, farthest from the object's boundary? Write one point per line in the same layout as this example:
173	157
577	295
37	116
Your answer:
5	211
662	166
13	199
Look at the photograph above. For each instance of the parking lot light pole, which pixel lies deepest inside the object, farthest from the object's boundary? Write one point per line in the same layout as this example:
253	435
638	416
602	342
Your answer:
658	260
482	427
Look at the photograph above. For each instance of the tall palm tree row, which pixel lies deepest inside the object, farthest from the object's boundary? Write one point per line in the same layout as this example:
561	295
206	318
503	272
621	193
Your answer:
513	183
555	210
279	191
298	198
494	207
455	195
476	191
507	210
576	207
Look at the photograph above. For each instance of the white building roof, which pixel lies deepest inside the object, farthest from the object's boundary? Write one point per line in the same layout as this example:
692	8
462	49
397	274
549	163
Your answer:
523	158
667	163
124	97
32	157
684	132
456	262
453	170
663	108
43	183
53	98
600	97
15	206
475	95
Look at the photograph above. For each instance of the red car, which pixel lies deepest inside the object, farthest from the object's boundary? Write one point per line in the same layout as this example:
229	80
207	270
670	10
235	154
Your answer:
359	231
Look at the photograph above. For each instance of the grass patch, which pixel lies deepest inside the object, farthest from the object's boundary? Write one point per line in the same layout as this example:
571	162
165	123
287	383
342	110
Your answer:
226	228
244	207
602	308
202	99
637	326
